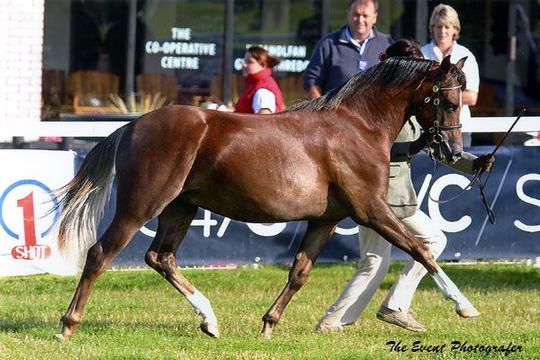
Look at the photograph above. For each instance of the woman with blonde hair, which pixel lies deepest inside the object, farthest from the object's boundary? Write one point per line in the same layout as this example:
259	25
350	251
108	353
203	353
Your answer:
445	27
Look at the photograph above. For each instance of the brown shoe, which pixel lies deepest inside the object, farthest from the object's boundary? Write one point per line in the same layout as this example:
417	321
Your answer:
399	318
324	327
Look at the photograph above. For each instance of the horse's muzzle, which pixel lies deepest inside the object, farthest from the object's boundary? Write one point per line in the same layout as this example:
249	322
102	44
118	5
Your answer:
450	154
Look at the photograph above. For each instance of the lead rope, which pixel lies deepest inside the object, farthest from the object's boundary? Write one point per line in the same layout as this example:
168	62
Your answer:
477	175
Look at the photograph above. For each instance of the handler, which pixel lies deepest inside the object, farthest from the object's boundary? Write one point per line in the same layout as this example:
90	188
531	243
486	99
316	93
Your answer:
375	250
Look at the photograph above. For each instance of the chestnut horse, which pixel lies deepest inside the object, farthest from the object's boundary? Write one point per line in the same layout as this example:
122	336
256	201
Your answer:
322	161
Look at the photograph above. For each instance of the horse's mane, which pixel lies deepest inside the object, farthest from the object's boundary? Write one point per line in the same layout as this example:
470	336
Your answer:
395	71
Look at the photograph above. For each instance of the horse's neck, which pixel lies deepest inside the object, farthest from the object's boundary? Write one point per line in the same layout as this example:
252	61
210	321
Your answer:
384	110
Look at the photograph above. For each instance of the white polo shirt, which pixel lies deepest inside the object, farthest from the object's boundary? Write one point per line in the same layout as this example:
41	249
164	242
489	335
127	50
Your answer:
470	68
263	99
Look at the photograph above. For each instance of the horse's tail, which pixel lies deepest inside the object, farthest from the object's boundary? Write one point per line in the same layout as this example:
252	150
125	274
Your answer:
84	198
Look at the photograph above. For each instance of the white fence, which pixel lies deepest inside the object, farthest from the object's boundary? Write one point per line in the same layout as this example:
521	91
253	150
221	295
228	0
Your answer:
104	128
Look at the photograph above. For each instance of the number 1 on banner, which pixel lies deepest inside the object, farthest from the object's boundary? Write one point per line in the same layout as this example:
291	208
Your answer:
30	250
27	204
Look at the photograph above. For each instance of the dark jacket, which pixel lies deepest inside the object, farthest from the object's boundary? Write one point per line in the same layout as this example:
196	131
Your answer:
335	60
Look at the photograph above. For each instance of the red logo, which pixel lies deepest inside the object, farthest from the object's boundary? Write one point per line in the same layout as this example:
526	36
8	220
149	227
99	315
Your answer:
30	250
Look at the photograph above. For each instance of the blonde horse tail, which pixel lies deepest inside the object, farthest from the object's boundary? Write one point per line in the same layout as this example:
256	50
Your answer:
83	199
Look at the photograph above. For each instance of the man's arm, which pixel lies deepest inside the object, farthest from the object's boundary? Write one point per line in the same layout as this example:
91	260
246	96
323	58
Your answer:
468	162
315	72
314	92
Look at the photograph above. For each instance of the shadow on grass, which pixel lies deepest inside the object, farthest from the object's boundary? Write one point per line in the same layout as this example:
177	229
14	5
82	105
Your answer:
483	277
23	325
184	329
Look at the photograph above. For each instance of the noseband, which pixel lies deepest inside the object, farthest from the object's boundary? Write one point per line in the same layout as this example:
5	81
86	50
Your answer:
436	129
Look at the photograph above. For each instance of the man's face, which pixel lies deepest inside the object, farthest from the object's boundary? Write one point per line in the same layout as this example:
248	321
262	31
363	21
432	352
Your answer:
361	17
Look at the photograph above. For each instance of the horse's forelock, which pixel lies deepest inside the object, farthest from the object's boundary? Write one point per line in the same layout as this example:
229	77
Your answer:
392	72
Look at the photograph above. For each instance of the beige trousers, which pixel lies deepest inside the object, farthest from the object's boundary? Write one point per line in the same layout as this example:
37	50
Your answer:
372	267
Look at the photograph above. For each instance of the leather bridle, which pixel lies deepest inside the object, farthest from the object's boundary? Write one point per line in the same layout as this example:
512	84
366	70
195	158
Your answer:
435	136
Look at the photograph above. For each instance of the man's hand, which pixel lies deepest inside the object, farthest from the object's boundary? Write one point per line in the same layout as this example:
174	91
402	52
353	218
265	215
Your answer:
314	92
484	162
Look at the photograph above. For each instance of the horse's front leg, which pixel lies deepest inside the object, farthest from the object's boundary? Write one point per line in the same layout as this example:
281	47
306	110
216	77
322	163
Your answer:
314	239
381	218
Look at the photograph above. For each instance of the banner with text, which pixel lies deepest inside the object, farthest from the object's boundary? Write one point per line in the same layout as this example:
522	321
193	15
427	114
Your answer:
28	229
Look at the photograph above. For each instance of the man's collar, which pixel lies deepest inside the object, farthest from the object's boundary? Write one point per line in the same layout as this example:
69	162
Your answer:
347	36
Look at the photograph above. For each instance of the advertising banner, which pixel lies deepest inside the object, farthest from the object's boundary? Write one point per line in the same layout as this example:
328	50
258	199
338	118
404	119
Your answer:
28	233
28	228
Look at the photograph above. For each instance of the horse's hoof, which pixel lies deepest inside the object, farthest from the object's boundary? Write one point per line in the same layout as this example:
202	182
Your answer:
467	312
266	332
211	330
60	337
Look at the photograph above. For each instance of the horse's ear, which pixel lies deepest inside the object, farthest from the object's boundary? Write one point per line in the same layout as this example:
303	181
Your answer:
445	64
461	62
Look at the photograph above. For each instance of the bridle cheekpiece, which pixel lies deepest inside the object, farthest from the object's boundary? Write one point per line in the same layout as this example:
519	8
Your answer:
435	131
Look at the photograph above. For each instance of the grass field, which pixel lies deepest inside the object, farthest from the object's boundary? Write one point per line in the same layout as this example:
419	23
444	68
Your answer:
137	315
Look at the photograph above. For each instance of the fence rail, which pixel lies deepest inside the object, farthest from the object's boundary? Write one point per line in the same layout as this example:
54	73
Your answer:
104	128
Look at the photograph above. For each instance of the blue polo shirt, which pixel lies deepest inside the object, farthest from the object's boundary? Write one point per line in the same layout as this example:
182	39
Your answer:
336	58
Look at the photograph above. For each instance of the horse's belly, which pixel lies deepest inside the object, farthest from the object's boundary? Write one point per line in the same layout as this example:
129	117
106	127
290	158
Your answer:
258	201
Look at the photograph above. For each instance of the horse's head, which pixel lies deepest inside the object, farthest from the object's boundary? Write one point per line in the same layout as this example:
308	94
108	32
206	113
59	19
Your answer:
437	104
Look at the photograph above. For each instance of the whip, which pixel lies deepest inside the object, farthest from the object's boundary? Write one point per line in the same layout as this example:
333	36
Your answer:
479	172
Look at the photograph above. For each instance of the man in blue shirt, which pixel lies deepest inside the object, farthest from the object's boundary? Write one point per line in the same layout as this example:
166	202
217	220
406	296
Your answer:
340	55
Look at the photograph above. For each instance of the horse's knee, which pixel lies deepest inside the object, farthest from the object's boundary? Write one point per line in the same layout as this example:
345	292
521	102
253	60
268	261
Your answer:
150	258
95	258
163	263
424	256
297	279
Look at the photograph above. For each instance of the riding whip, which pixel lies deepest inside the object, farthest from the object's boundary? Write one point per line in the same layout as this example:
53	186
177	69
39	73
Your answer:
479	172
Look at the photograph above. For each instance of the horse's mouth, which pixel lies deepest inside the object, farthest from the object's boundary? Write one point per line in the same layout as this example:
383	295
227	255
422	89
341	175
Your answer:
443	152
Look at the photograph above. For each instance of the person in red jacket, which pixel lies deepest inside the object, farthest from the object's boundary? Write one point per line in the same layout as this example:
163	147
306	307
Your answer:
262	94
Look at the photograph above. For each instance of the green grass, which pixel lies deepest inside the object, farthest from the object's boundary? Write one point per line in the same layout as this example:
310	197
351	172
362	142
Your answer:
137	315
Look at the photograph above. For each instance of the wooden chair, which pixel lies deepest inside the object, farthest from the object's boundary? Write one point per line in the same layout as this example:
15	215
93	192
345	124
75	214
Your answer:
153	84
91	90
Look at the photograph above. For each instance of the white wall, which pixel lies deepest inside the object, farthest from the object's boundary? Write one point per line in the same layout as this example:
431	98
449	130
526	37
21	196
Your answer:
21	44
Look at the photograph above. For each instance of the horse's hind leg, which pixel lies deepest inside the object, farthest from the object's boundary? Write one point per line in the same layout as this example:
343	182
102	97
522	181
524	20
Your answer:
173	224
314	239
98	258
